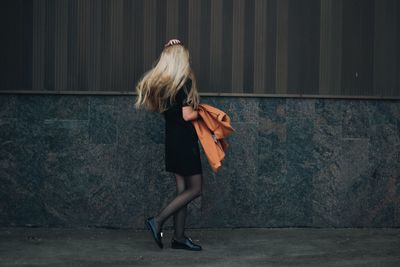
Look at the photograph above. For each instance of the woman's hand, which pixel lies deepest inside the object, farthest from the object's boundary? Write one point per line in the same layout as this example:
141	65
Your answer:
189	113
172	42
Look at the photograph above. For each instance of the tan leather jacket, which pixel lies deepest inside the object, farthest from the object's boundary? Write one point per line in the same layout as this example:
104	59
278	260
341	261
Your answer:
212	126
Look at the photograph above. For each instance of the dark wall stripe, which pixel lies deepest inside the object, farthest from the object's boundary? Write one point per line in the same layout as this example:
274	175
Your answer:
161	20
105	49
248	84
149	33
238	46
84	26
396	91
215	69
183	21
385	65
303	48
282	46
194	34
49	45
251	46
203	75
259	49
72	47
172	23
357	60
27	9
38	29
226	77
133	28
330	47
270	47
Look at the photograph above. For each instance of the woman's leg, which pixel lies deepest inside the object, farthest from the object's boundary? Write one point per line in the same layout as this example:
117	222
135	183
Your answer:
180	215
192	191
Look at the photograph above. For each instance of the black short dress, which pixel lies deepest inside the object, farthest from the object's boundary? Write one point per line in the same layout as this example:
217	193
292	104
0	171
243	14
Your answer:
182	153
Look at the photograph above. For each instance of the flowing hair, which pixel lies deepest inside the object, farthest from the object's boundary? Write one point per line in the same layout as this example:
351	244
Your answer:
161	83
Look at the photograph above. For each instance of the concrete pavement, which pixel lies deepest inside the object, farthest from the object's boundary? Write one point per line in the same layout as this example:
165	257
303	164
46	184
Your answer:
221	247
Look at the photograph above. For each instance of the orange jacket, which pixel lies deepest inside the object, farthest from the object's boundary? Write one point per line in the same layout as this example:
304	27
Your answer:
212	126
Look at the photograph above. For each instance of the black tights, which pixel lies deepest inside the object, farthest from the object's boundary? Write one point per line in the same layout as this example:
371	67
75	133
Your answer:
187	189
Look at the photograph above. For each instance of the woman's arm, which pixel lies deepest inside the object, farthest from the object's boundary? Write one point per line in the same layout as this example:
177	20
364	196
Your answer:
189	113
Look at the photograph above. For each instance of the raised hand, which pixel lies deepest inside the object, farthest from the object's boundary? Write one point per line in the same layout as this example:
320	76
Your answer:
172	42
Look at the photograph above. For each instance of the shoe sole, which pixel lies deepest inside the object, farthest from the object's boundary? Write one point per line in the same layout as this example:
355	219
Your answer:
179	246
151	232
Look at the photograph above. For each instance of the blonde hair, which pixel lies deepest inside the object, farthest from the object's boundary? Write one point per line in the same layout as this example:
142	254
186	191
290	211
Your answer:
161	83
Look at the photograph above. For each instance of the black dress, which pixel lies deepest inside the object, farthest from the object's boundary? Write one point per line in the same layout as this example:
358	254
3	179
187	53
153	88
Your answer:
182	154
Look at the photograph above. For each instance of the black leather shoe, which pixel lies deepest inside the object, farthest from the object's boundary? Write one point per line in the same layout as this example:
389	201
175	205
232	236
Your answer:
152	225
187	244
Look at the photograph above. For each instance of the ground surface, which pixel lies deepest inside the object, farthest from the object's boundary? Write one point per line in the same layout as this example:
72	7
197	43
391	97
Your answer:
221	247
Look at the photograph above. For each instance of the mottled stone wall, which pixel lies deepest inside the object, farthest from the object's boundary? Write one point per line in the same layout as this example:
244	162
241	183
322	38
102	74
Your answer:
76	161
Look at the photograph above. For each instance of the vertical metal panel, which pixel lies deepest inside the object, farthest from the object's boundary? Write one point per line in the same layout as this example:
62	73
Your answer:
330	47
49	70
149	33
117	54
161	21
282	47
95	44
303	48
385	63
38	44
25	79
16	44
183	20
270	46
60	44
226	52
133	42
215	44
396	90
248	67
238	46
105	49
194	37
172	19
264	46
83	28
357	59
205	51
72	68
260	48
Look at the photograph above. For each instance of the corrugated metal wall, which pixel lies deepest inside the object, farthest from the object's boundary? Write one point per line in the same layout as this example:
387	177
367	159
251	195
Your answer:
318	47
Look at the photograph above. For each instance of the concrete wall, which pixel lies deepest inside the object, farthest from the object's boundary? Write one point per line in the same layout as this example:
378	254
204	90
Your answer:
76	161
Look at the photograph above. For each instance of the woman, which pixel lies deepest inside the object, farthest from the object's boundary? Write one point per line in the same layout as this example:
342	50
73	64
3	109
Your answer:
170	88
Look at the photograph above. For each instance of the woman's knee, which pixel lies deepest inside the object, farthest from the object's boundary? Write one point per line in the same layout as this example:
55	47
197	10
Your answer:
180	183
194	183
197	192
180	189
